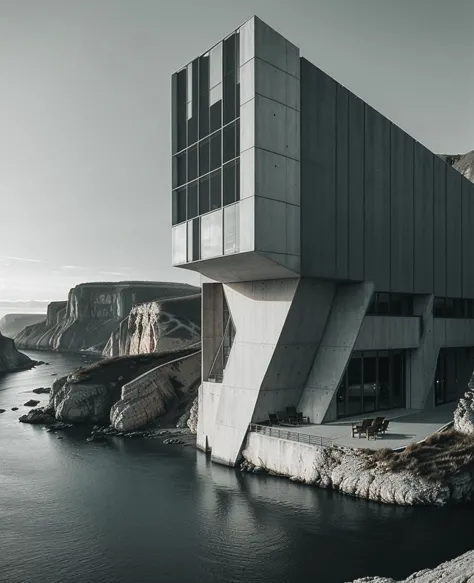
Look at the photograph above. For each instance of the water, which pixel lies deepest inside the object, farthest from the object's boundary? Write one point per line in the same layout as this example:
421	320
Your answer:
144	512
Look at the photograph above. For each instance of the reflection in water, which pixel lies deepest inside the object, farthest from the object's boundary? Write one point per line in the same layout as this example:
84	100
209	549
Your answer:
135	510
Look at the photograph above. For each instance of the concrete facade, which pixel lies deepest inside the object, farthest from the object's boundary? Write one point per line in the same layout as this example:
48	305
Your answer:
337	209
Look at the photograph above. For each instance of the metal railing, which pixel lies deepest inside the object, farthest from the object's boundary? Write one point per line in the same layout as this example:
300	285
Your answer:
291	435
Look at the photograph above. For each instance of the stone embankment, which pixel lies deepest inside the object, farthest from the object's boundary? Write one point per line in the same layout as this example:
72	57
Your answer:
92	313
459	570
11	359
435	472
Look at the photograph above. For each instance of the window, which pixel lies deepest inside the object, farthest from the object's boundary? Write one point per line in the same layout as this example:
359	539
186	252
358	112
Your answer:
204	157
229	143
211	235
204	196
229	185
231	229
216	190
192	163
192	200
216	150
179	246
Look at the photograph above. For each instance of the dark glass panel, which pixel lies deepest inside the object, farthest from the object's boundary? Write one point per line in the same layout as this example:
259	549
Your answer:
181	168
229	59
397	374
354	386
174	207
216	108
229	142
216	190
192	163
181	110
193	127
449	308
192	200
181	202
341	397
203	115
174	113
229	183
204	201
458	308
383	303
204	75
229	98
216	150
369	387
196	240
237	179
384	380
439	307
204	160
237	137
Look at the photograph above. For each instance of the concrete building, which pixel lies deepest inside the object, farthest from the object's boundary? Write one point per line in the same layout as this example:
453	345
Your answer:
335	250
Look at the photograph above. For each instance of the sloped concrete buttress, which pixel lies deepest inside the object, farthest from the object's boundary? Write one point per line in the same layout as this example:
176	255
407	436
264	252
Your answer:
343	326
279	325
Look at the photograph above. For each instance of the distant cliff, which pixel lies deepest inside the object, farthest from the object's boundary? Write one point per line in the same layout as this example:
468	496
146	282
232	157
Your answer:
12	324
465	165
10	358
158	326
91	314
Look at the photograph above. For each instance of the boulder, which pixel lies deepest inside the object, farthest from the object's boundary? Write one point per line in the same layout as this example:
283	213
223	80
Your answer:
2	410
31	403
10	358
38	416
42	390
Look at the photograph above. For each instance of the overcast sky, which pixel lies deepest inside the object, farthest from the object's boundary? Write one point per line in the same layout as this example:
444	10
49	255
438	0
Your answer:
85	114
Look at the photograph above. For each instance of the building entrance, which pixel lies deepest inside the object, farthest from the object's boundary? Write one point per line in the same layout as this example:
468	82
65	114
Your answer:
373	381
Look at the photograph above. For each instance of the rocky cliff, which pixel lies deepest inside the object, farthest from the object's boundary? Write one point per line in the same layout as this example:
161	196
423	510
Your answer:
158	326
12	324
465	165
92	313
10	358
129	392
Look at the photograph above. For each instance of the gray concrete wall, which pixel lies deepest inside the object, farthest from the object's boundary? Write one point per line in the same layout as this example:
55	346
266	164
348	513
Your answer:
383	207
388	332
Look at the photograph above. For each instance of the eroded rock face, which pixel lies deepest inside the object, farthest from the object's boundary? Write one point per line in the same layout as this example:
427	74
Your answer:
464	413
459	570
12	324
91	314
10	358
145	399
162	325
193	416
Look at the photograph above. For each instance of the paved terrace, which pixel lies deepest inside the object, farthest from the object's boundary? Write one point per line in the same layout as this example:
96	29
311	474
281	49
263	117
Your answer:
406	426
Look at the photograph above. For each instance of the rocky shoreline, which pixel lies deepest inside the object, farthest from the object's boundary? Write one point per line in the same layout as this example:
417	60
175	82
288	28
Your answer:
459	570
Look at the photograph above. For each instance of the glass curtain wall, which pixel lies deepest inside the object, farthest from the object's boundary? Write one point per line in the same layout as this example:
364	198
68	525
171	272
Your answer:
373	381
206	136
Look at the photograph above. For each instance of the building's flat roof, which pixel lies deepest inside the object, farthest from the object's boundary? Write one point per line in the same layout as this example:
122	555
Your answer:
406	426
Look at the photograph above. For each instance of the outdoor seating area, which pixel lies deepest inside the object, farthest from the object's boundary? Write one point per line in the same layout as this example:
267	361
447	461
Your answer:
290	417
370	428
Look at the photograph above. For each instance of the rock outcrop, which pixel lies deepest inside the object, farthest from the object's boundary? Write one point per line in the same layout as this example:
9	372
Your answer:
10	358
92	312
157	326
459	570
465	165
12	324
192	421
129	392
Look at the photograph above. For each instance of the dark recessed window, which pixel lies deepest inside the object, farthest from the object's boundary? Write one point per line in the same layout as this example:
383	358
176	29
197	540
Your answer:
204	96
181	205
216	150
204	195
192	200
216	194
237	137
192	163
216	108
174	207
229	183
229	142
230	54
204	157
181	109
196	240
181	168
237	179
229	98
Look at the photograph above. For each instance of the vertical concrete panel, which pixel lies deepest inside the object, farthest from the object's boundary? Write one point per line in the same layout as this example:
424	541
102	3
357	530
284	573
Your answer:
423	211
439	225
377	199
401	212
453	233
342	184
356	188
467	242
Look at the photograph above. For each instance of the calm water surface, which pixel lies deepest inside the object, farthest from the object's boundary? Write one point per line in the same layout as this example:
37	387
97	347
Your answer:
144	512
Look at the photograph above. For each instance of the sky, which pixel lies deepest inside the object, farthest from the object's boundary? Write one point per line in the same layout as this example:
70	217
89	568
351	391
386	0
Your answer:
85	114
